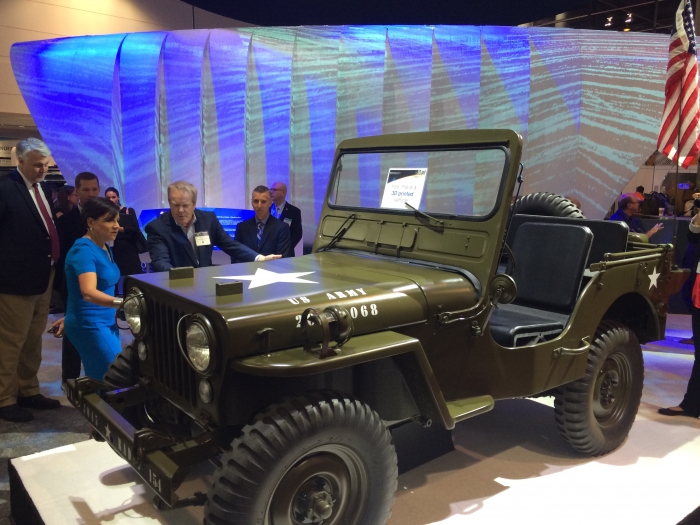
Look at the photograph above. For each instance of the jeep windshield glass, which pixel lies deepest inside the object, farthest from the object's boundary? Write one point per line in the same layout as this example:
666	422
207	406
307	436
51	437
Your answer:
462	183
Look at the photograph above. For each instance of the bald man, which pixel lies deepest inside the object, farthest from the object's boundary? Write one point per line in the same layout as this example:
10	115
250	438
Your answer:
282	210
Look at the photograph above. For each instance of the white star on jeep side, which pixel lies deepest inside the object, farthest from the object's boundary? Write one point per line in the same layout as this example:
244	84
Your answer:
264	277
653	278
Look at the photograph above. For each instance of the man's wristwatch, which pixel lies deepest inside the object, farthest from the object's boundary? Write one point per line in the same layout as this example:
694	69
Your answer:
117	302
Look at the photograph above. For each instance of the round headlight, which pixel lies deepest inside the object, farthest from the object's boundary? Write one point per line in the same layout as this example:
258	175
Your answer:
133	311
198	346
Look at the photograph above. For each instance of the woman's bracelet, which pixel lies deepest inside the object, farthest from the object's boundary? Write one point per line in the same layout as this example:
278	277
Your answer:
117	302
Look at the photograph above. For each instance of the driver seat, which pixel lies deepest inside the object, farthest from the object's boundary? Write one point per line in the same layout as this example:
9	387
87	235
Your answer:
549	263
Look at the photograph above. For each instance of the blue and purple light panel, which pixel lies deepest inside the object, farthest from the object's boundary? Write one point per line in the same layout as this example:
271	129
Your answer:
228	109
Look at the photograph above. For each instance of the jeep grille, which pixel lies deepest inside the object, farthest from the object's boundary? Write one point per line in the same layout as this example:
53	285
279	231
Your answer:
170	368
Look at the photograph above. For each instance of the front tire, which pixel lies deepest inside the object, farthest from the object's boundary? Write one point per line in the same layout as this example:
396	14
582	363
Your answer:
123	372
595	413
324	458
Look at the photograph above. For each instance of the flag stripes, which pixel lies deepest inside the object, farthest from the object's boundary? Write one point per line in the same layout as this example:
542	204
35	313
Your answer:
678	137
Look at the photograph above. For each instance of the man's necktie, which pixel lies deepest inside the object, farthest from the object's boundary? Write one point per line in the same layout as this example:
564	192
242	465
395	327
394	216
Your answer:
274	211
261	226
55	245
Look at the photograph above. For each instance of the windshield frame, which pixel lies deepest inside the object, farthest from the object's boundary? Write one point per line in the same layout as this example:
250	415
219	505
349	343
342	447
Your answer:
472	146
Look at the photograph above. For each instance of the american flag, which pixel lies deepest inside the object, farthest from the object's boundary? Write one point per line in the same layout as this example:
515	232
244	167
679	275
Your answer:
681	92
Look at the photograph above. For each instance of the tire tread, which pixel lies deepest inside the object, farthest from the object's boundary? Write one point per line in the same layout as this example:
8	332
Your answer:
573	408
232	496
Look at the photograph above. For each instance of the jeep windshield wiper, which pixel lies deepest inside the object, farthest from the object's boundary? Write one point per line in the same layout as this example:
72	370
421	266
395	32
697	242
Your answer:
423	214
339	234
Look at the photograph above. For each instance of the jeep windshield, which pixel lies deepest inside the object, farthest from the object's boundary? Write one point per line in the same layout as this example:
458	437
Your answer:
433	183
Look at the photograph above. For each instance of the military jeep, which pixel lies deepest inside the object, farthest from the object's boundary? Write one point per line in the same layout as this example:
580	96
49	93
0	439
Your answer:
424	300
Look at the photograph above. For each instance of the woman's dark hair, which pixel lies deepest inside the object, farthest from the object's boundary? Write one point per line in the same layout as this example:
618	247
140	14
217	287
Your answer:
116	192
97	208
63	193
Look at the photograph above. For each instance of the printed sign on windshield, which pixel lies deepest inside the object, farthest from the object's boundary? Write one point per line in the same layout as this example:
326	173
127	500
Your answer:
404	185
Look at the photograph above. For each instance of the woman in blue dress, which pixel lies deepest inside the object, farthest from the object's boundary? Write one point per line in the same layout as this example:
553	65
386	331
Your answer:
91	276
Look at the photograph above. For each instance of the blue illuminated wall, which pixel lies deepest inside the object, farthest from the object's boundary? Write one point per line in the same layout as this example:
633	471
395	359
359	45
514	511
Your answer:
228	109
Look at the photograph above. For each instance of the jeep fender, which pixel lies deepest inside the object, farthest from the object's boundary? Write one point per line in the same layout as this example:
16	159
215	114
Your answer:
406	352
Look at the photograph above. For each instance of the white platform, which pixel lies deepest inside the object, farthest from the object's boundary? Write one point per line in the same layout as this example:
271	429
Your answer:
509	466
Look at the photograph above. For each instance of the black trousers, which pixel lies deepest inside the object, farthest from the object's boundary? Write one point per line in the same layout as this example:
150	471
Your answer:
691	401
70	361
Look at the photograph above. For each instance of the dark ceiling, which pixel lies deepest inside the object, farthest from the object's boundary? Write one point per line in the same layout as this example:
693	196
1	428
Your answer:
582	14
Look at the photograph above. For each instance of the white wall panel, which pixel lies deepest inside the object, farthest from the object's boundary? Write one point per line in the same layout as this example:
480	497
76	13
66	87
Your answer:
26	20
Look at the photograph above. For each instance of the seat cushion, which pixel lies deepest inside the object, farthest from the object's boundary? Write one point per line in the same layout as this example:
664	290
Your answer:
608	236
549	263
512	328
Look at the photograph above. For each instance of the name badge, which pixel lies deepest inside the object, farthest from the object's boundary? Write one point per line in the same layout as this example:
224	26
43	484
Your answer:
288	222
202	239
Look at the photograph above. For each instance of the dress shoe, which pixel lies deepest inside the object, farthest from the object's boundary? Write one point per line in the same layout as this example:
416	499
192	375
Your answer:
669	412
38	401
15	414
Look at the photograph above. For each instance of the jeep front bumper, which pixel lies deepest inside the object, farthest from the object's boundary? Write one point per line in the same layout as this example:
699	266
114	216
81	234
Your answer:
160	459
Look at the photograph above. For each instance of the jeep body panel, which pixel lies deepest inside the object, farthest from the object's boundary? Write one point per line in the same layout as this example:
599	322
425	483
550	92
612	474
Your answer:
378	294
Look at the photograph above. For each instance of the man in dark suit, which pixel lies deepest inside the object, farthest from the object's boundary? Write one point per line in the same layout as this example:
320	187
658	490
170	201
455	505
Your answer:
70	228
264	233
29	249
186	236
287	213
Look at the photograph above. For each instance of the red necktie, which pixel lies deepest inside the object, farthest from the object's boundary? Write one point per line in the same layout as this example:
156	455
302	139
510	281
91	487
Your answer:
55	246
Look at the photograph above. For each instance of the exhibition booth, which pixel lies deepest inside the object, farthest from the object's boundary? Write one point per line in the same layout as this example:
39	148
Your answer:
230	109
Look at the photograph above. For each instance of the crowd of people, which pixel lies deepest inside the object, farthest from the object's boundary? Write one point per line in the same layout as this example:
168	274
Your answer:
83	245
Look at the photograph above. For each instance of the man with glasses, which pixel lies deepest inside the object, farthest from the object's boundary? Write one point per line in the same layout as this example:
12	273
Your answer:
627	208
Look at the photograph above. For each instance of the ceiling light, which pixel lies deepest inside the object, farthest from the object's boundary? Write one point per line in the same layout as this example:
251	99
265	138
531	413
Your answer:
609	22
626	29
629	18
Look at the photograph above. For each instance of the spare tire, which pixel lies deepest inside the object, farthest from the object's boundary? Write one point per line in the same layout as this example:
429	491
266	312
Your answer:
547	204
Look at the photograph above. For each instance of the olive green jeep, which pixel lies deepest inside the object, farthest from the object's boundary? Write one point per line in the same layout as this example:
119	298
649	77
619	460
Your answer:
425	299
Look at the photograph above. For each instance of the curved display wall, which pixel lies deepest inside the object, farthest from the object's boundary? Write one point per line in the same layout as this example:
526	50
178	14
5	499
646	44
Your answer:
230	109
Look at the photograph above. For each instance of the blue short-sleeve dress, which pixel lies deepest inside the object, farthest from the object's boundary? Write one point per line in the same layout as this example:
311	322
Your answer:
91	328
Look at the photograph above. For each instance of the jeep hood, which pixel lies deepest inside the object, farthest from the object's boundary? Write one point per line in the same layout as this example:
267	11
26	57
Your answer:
379	294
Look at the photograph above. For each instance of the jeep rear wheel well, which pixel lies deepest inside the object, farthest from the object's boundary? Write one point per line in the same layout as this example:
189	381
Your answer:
637	313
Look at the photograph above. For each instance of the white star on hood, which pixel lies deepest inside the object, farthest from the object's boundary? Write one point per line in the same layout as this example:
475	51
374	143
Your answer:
264	277
653	278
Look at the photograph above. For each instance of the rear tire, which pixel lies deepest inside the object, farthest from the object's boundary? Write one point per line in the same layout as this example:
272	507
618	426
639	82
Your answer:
323	458
595	413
